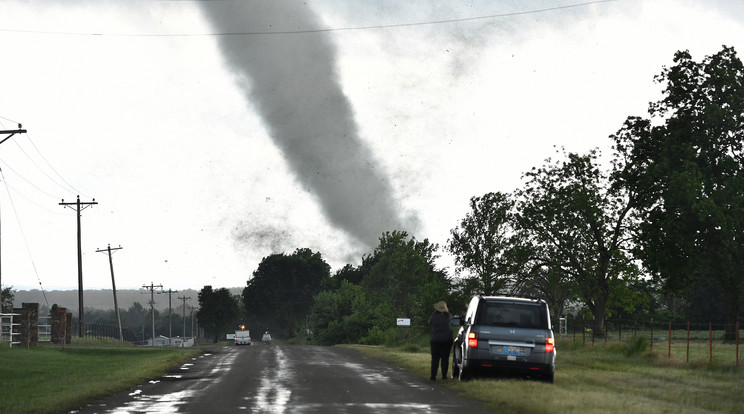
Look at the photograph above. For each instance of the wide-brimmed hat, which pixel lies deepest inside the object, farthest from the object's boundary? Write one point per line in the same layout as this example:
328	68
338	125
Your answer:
441	307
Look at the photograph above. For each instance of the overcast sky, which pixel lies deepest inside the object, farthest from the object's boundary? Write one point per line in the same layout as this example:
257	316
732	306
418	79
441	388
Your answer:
213	134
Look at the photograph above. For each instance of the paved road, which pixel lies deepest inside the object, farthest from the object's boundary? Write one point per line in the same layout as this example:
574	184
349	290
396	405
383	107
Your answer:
286	379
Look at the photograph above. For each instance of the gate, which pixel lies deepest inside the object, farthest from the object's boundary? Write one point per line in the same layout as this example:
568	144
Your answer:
6	328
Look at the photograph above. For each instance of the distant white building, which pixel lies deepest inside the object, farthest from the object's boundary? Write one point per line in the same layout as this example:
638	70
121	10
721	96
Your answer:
174	342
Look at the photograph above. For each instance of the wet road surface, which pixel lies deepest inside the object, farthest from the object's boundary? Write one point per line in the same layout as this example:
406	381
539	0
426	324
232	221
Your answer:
285	379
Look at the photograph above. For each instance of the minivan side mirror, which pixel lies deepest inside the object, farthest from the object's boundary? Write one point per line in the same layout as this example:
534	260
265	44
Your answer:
457	320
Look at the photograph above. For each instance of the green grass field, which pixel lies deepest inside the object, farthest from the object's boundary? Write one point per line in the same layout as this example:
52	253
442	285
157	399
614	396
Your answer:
609	377
52	379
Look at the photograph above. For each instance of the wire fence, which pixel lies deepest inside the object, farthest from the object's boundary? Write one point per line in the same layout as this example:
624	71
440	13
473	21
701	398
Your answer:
681	341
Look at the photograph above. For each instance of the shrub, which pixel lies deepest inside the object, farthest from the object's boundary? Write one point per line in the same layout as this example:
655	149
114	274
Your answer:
375	336
636	346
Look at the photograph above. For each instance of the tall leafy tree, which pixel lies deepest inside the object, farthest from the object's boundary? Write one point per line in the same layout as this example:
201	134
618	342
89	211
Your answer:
686	161
578	227
401	272
480	242
218	311
282	289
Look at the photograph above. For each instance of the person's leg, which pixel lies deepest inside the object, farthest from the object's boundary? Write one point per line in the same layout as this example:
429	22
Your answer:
434	359
445	352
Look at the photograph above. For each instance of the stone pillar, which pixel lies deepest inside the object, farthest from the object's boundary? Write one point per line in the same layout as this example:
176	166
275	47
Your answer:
61	325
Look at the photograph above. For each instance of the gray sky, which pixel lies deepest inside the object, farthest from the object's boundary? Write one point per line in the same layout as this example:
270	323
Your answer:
213	134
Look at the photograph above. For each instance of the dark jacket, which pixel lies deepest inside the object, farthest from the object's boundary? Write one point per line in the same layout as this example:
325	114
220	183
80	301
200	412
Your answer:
441	327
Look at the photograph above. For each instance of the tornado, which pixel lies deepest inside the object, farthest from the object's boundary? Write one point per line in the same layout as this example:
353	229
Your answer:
287	70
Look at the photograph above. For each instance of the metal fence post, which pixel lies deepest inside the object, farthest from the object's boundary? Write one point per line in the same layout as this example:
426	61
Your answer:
688	342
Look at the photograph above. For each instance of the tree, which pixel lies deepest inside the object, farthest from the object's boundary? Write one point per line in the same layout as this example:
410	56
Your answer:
6	300
578	228
686	161
282	288
401	273
218	311
345	315
480	242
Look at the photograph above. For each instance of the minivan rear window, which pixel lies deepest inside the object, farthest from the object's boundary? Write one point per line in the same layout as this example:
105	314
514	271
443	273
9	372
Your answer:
524	315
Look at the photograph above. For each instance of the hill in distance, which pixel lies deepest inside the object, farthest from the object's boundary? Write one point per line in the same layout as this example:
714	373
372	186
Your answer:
104	298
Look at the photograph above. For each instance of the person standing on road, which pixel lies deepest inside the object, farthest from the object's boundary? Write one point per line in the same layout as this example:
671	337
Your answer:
440	339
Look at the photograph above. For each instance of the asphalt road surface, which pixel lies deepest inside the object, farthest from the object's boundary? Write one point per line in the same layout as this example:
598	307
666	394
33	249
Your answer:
286	379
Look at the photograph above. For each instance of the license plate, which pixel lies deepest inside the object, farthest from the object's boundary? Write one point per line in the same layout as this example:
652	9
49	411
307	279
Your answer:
510	350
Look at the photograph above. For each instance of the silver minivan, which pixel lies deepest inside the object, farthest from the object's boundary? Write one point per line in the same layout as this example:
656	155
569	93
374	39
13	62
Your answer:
506	335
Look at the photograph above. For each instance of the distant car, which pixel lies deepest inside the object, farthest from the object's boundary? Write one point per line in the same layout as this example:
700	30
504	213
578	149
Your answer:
242	337
266	338
506	335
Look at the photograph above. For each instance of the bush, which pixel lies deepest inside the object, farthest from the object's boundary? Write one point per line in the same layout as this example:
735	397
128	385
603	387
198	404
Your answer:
413	348
636	346
375	336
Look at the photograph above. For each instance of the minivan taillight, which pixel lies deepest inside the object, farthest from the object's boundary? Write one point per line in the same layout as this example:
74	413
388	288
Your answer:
473	340
549	345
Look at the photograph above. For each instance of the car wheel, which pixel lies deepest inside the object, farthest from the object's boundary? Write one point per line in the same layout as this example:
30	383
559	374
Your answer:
549	377
455	366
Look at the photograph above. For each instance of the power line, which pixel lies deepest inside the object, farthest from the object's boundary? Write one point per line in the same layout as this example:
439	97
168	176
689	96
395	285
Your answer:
323	30
15	190
28	181
23	235
70	186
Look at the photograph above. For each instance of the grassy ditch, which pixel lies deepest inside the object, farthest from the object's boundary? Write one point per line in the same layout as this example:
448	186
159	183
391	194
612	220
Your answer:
51	379
605	378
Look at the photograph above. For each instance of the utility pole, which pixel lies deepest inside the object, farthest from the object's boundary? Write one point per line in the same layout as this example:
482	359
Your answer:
79	206
170	324
113	285
151	288
184	298
9	133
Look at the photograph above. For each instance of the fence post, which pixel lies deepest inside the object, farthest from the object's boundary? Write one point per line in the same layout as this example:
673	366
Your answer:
583	330
669	353
737	344
620	326
688	342
652	334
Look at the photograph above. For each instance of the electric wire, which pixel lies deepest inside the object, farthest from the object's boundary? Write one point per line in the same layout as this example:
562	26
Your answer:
19	193
322	30
23	235
5	164
69	186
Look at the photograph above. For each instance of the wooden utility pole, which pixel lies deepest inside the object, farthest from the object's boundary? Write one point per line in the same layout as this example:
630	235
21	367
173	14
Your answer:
113	285
184	298
9	133
79	206
151	288
170	324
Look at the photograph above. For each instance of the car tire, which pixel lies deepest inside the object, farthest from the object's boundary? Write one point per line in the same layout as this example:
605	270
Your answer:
549	377
455	366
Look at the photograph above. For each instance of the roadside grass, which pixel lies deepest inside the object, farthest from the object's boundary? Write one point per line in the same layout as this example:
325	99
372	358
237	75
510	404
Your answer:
610	377
51	379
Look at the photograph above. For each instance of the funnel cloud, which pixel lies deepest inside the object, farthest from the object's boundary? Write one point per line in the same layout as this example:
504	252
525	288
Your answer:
291	80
